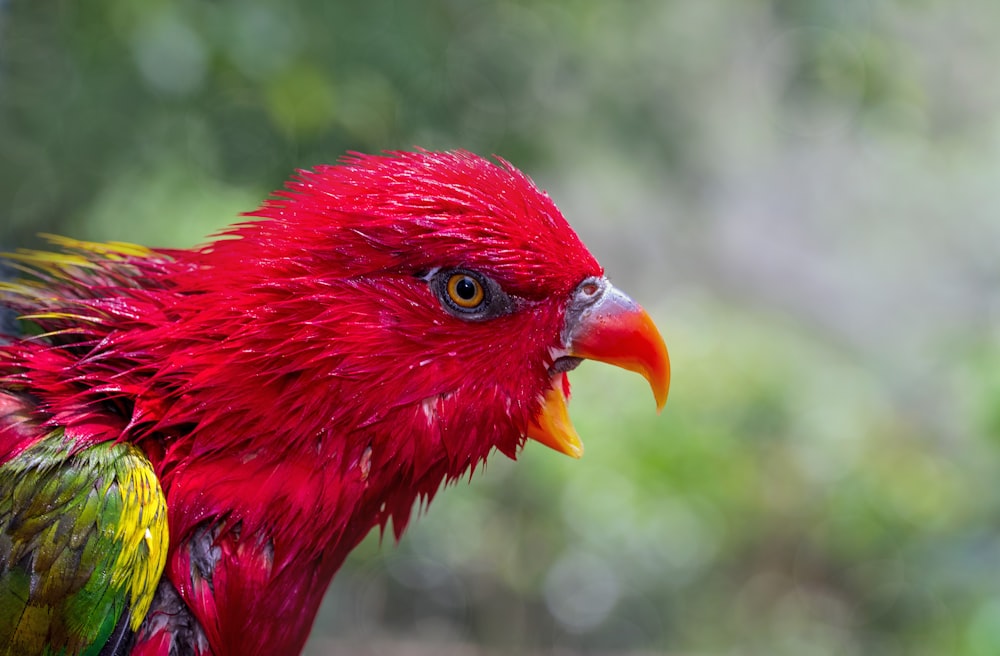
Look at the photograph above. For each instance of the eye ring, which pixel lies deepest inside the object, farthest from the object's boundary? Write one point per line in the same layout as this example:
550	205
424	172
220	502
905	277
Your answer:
465	291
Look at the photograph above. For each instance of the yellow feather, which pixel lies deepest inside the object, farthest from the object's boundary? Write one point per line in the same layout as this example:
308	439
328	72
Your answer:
144	536
47	259
21	286
59	315
112	249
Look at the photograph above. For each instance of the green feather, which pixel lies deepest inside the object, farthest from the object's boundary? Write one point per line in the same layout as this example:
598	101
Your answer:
67	572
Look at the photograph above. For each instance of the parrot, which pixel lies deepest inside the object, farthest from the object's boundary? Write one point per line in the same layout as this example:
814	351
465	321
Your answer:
193	440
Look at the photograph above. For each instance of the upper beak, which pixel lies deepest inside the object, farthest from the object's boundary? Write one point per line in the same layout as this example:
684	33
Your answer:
602	324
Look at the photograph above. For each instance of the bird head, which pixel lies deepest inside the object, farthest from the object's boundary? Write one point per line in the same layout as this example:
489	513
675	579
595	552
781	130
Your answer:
443	289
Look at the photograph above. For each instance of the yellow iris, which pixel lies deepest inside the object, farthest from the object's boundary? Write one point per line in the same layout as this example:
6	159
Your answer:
465	291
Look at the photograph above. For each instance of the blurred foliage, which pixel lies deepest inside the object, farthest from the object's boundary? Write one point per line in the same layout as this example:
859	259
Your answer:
804	191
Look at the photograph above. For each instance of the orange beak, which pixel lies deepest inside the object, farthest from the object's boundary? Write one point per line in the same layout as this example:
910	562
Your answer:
602	324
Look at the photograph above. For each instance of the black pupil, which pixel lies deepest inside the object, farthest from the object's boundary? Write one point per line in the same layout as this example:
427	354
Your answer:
466	289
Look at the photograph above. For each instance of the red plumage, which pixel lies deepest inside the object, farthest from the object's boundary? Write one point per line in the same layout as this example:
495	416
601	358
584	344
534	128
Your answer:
297	382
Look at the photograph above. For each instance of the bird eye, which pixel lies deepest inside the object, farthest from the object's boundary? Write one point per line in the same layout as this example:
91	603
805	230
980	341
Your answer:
470	295
465	291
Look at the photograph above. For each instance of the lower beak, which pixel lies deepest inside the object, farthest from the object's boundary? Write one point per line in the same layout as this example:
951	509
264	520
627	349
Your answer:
602	324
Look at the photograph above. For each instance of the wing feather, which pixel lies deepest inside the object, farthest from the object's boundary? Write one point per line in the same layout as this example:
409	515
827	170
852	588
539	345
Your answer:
83	540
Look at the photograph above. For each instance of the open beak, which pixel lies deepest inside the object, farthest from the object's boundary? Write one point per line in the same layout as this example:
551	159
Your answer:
602	324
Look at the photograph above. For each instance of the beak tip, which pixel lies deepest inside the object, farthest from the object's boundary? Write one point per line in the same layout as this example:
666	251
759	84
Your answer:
658	377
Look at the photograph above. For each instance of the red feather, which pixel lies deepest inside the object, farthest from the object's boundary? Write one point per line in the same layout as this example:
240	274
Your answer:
296	382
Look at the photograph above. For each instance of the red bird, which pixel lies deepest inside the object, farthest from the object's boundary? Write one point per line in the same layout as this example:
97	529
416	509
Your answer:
262	402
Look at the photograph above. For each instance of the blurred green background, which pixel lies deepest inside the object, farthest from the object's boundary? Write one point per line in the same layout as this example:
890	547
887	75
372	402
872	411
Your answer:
806	194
